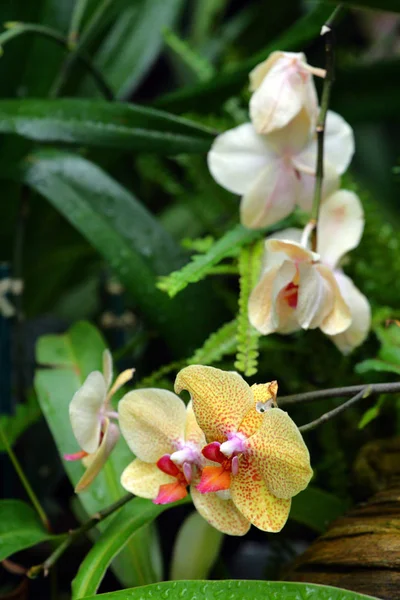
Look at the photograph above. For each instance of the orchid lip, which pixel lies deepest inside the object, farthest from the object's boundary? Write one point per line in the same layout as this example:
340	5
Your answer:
235	445
187	453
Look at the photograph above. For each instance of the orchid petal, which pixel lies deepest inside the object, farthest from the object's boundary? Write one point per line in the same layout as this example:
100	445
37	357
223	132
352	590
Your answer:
84	411
121	380
339	318
144	479
152	422
360	310
252	497
237	157
279	453
272	196
171	492
292	250
340	226
315	297
262	393
193	433
107	368
220	399
220	513
96	461
293	138
214	479
306	186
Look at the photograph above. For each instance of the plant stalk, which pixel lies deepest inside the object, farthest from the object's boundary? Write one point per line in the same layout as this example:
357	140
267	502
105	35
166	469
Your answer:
340	392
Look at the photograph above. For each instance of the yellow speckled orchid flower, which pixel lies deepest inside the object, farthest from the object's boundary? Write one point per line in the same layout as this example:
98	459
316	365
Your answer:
90	414
167	441
261	454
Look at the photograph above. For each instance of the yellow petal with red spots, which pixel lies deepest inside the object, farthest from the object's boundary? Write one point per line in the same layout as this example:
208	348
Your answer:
95	462
220	399
220	513
254	500
214	479
280	454
144	479
264	394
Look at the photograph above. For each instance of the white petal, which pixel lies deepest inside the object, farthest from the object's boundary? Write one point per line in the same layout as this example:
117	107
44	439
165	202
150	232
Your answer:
84	411
315	297
306	188
340	226
291	234
237	158
294	137
107	368
152	422
271	198
95	462
360	315
339	318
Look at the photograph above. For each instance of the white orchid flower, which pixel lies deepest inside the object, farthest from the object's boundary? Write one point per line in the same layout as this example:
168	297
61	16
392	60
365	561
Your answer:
275	172
300	289
90	413
283	86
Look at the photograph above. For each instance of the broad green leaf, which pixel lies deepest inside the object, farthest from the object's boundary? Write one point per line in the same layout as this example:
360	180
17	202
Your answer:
25	415
201	264
212	93
196	549
71	357
131	518
135	245
20	528
388	359
104	124
134	42
391	5
233	590
316	509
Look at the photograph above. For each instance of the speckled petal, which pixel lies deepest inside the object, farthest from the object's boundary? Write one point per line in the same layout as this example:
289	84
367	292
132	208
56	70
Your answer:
96	461
278	451
220	399
220	513
144	479
152	422
254	500
262	392
84	411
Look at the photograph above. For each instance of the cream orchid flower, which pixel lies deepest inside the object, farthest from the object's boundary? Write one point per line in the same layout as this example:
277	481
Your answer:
283	86
275	172
262	457
301	289
164	435
90	414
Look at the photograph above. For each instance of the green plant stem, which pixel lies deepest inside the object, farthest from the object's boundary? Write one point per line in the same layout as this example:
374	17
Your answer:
76	20
24	480
327	32
74	534
340	392
17	29
364	393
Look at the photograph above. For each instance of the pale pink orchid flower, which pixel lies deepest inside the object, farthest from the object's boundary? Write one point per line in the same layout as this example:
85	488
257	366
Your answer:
282	86
91	416
273	173
300	289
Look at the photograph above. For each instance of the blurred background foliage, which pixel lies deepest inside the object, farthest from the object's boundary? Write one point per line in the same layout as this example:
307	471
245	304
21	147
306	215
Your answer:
100	199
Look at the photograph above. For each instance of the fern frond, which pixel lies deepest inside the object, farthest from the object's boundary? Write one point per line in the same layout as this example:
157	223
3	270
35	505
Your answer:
201	264
247	336
217	345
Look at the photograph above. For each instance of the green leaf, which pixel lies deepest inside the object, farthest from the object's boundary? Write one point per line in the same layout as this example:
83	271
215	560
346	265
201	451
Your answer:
388	360
72	356
130	519
104	124
201	68
195	560
374	364
372	413
212	93
20	528
247	336
25	415
217	345
391	5
233	590
135	245
201	264
316	508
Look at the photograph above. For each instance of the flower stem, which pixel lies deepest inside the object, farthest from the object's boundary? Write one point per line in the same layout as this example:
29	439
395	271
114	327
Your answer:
328	33
75	534
24	480
16	29
364	393
340	392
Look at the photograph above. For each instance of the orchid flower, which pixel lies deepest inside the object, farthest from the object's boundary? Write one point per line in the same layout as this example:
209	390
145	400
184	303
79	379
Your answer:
90	414
164	435
302	289
283	86
260	454
275	172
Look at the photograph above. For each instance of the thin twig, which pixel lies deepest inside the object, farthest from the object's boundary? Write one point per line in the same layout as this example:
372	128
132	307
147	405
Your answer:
24	480
340	392
364	393
74	534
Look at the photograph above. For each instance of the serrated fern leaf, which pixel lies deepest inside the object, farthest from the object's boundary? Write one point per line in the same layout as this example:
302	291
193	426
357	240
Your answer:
201	265
247	336
217	345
